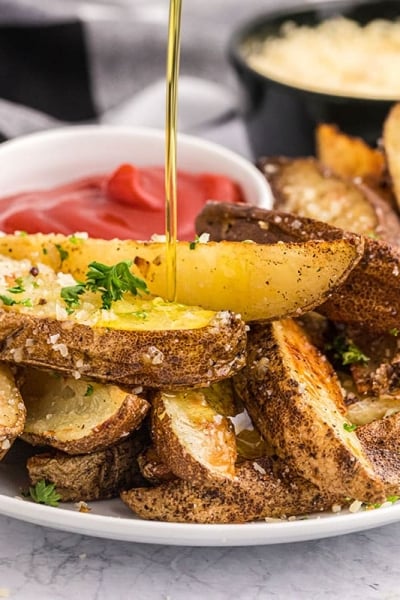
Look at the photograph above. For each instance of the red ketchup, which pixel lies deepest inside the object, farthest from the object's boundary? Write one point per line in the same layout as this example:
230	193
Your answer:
129	204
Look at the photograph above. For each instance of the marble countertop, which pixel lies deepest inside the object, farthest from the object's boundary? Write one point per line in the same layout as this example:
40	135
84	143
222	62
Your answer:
40	563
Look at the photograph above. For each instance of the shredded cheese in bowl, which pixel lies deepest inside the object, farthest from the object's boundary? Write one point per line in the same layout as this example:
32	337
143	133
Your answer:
339	57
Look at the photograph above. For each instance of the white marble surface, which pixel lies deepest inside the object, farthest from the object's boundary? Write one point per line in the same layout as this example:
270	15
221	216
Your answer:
40	563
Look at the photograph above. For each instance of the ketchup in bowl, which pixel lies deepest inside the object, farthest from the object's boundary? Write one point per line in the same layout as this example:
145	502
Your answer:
129	204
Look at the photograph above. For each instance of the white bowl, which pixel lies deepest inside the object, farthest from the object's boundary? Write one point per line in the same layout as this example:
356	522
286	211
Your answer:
42	160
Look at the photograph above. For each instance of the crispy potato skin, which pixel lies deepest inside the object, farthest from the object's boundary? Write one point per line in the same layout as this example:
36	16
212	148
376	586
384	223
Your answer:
380	440
96	476
152	468
183	358
129	417
294	398
368	297
305	187
260	490
12	411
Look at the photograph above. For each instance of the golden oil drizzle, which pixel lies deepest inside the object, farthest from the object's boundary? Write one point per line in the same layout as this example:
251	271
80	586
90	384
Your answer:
171	115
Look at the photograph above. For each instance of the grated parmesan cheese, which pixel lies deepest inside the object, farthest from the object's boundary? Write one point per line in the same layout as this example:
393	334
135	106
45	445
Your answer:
342	56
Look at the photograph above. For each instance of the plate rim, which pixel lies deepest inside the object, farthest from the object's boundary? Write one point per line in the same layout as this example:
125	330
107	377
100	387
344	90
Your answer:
189	534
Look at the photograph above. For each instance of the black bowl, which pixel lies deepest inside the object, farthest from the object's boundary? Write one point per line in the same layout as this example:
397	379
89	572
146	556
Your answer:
280	118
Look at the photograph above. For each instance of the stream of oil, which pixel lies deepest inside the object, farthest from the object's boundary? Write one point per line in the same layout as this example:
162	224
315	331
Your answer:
171	116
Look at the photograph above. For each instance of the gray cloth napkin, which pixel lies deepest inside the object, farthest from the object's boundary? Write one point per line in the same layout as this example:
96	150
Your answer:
122	44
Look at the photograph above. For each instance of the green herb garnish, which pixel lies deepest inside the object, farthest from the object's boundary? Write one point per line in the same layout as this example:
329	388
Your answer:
346	351
70	295
18	288
392	499
74	239
193	244
44	493
394	331
7	300
89	390
111	282
349	427
63	253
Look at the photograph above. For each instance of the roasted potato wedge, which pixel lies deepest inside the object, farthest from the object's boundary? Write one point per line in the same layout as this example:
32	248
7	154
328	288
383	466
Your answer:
304	187
97	476
391	144
366	410
12	410
369	297
152	468
348	156
260	490
76	416
295	399
255	281
133	342
196	442
380	440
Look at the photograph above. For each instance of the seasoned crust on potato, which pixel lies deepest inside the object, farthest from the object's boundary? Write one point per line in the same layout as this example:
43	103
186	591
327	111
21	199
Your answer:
304	187
380	440
191	438
12	410
149	358
261	489
76	416
368	297
95	476
295	399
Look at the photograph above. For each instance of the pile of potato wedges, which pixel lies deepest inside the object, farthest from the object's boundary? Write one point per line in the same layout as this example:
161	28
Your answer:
285	402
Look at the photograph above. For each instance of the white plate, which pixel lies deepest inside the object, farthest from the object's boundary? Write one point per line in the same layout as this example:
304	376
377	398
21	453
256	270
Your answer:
112	519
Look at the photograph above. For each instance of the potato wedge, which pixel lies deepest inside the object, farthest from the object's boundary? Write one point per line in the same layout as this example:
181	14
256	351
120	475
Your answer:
303	187
366	410
255	281
295	399
369	297
391	144
145	341
260	490
12	410
380	440
152	468
348	156
191	438
97	476
76	416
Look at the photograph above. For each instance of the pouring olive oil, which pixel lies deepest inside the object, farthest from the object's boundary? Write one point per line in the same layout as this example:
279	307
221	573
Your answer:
172	73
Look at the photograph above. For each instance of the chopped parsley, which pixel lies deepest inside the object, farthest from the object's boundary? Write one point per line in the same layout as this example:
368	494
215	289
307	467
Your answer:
7	300
193	244
394	331
110	281
64	254
349	427
89	390
74	239
18	288
346	352
44	493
